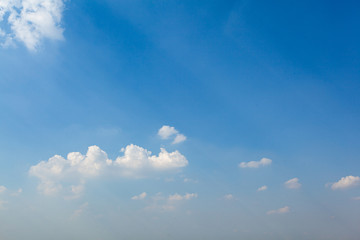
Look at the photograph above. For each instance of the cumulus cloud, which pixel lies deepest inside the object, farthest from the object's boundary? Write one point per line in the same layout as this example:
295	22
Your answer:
140	196
263	188
346	182
30	21
256	164
292	183
136	157
166	132
58	171
2	189
283	210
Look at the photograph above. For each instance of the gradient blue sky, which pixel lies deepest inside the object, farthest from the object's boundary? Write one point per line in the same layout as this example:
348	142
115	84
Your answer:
242	80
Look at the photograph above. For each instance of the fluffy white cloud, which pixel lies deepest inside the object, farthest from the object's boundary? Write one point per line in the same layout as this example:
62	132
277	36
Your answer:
178	197
256	164
140	196
285	209
30	21
2	189
58	171
292	183
346	182
165	132
179	138
263	188
136	158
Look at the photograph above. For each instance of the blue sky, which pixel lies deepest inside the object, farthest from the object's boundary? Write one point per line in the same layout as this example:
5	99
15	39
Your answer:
255	104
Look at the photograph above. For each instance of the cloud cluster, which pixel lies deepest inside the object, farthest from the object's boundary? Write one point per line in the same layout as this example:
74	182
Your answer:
256	164
292	183
346	182
283	210
166	132
30	21
58	171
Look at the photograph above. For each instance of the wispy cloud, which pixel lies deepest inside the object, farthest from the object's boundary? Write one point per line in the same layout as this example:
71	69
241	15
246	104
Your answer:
2	189
262	188
292	183
256	164
228	197
30	21
282	210
139	197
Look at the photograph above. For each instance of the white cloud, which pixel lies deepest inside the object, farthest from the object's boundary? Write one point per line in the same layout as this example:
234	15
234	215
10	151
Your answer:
292	183
136	157
165	132
285	209
346	182
2	189
228	197
140	196
178	197
179	138
262	188
30	21
57	172
356	198
256	164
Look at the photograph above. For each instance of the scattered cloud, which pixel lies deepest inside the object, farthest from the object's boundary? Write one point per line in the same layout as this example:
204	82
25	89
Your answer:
2	189
140	196
256	164
228	197
178	197
58	171
285	209
356	198
292	183
30	21
17	193
165	132
262	188
346	182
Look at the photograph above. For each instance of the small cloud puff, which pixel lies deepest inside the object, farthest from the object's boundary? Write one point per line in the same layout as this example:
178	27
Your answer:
283	210
292	183
139	197
256	164
346	182
263	188
165	132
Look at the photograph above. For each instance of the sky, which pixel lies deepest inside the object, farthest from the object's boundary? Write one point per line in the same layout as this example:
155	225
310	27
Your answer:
179	120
